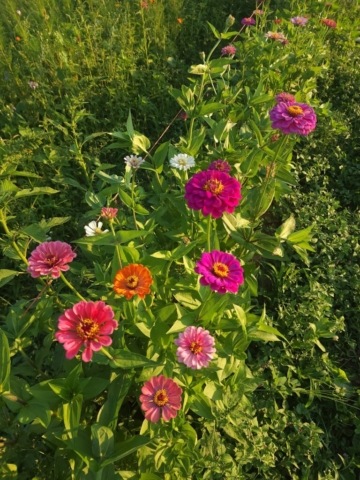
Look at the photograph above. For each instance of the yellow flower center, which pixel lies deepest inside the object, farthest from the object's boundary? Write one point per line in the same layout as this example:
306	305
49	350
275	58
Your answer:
195	347
220	269
132	281
295	110
98	231
214	186
160	398
87	329
51	259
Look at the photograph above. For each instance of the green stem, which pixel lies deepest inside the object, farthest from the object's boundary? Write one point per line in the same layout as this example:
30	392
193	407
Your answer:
209	234
132	198
66	281
117	247
13	243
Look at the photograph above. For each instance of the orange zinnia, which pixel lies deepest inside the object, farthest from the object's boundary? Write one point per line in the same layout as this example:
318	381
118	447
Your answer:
180	20
133	279
17	38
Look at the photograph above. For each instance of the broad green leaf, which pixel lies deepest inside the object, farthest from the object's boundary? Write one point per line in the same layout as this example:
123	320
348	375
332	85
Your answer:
286	228
201	406
102	441
123	449
207	109
160	156
72	414
300	236
5	364
27	192
128	360
124	236
35	232
213	29
130	126
118	389
7	275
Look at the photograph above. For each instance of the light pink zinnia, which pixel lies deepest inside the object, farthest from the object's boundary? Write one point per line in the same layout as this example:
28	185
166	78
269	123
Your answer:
228	50
160	395
213	193
284	97
196	347
86	324
291	117
248	21
221	271
50	258
108	213
299	21
220	165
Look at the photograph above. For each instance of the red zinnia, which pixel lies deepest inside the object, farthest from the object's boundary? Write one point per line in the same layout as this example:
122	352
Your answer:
50	258
160	395
329	23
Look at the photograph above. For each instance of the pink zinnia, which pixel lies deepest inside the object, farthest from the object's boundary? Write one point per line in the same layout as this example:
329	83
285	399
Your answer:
329	23
284	97
196	347
248	21
50	258
299	21
220	165
296	118
213	193
86	324
160	395
108	213
221	271
228	50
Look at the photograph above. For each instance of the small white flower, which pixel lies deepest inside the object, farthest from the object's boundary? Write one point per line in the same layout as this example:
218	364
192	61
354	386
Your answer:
133	161
18	12
182	161
94	229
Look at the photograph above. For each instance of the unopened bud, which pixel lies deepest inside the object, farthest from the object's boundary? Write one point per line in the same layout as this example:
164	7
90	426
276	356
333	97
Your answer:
335	338
202	56
230	21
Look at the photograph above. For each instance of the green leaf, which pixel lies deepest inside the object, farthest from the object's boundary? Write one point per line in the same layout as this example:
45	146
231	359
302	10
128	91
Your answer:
286	228
213	29
201	406
72	414
129	126
206	109
5	364
118	389
261	99
300	236
124	236
123	449
127	360
7	275
27	192
160	156
102	441
35	232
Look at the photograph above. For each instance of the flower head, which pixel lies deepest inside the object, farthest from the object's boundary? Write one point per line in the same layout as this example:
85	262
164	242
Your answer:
329	23
182	161
109	213
87	324
94	229
248	21
50	258
299	21
228	50
292	117
183	115
133	161
258	12
17	38
284	97
133	280
195	347
213	193
160	396
220	165
275	137
277	36
221	271
277	21
18	12
144	4
179	20
33	85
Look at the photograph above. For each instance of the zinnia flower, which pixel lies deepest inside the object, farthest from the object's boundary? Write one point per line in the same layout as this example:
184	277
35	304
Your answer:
284	97
133	161
50	258
258	12
18	12
291	117
182	161
183	115
160	395
144	5
179	20
196	347
109	213
221	271
248	21
17	38
228	50
94	229
220	165
213	193
33	85
277	21
86	324
133	280
277	36
329	23
299	21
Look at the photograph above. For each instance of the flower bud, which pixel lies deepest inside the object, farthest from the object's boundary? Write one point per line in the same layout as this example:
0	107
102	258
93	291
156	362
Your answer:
230	21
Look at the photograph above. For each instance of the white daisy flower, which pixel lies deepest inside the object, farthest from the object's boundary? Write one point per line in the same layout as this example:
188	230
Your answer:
133	161
94	229
182	161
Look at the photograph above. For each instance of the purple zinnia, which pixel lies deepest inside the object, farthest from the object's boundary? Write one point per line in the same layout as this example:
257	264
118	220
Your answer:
284	97
221	271
299	21
195	347
291	117
228	50
220	165
213	193
248	21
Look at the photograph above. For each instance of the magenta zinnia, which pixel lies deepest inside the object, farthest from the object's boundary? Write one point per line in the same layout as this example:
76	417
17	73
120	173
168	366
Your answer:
292	117
213	193
248	21
196	347
220	165
228	50
50	258
284	97
160	396
86	324
221	271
